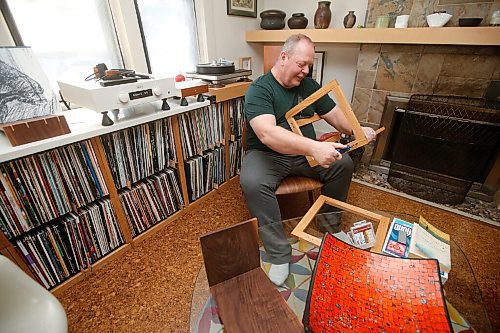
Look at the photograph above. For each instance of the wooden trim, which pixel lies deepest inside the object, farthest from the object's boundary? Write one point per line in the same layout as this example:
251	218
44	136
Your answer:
383	221
230	91
180	159
18	259
59	290
113	193
227	138
438	36
7	254
158	226
116	253
4	241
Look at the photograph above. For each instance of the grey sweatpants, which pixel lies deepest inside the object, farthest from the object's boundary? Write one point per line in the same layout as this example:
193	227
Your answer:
262	172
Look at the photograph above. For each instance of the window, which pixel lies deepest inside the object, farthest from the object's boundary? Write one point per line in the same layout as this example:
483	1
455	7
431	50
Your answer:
68	37
169	29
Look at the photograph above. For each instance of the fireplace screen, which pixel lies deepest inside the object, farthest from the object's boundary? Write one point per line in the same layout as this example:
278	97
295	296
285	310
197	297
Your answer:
443	145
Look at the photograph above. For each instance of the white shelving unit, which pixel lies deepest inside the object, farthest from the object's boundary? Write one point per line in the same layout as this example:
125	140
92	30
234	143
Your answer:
85	124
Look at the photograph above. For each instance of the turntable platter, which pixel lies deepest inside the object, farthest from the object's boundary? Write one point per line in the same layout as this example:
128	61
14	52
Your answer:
215	68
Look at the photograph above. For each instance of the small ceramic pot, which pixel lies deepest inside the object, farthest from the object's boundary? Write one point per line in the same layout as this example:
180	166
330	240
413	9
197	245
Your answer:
272	19
297	21
350	19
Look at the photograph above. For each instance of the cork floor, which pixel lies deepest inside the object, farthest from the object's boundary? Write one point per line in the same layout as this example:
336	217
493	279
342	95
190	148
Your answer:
149	288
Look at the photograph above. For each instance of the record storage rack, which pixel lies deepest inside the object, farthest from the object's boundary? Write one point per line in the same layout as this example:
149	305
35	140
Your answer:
79	202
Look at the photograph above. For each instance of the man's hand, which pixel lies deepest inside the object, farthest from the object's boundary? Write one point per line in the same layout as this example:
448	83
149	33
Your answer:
325	153
369	133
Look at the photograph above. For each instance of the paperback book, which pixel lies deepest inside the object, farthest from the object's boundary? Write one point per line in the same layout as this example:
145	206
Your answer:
397	241
428	241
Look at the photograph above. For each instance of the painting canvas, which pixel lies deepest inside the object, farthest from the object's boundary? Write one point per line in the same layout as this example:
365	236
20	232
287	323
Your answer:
25	91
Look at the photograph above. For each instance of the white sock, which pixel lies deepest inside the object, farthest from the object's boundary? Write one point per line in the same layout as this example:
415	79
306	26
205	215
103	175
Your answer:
278	273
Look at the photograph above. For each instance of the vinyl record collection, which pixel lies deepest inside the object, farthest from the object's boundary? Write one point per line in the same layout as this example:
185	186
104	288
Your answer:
236	117
77	240
39	188
45	211
138	152
206	172
202	138
151	201
235	155
237	122
202	129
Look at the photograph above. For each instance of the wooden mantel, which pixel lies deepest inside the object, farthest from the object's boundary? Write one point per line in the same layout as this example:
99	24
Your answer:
438	36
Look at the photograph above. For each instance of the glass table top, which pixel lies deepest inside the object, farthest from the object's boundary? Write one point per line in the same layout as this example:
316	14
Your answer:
464	299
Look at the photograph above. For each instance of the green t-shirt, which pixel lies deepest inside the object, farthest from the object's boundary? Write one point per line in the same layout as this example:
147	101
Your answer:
266	96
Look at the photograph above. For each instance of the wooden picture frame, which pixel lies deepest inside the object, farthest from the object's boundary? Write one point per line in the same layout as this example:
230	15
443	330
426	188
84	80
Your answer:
383	221
242	8
344	105
246	63
317	67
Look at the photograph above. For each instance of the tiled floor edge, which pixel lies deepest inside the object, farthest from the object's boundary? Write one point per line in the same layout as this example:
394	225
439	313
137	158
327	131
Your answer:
430	203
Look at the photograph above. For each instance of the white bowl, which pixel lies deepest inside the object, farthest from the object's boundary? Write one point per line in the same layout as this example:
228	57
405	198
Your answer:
438	19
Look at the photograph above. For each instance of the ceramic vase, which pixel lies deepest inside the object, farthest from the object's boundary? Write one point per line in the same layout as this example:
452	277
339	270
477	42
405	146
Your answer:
323	15
297	21
272	19
350	19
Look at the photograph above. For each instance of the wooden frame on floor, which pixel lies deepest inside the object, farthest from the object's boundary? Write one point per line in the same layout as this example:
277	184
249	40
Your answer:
299	230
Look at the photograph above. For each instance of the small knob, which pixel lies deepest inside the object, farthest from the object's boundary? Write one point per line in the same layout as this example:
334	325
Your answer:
124	98
157	91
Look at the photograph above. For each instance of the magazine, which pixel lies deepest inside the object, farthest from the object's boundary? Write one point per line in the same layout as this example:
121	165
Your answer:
429	242
362	234
397	241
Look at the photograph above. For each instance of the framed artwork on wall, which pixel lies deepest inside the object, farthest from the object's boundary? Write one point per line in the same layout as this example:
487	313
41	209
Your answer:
246	63
316	71
242	8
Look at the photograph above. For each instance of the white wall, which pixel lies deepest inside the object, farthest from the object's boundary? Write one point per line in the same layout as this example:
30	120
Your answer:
225	34
5	37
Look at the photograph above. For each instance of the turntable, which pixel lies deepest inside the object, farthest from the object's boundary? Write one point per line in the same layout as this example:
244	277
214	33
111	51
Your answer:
219	72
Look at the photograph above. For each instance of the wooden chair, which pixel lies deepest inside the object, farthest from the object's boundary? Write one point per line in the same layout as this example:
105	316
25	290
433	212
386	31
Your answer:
245	297
298	184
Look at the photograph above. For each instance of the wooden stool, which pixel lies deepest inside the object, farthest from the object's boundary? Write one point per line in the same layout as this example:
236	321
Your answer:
298	184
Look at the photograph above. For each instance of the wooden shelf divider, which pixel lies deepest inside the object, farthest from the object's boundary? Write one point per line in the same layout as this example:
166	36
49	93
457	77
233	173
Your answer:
113	193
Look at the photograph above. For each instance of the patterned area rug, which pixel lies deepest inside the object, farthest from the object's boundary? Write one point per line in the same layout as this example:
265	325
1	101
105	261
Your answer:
295	290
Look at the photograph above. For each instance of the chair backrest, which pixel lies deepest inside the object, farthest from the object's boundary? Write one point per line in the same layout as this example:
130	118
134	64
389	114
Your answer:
230	251
26	306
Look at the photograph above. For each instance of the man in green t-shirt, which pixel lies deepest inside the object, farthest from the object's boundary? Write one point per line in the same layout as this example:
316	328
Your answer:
274	151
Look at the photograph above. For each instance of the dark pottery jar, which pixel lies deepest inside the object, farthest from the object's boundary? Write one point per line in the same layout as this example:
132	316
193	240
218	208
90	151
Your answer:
297	21
323	15
272	19
350	19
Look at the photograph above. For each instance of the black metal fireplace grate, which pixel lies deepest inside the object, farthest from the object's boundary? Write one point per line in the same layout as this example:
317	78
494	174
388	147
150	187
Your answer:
443	145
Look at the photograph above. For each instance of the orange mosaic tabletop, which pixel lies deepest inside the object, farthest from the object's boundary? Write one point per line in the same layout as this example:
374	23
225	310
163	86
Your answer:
359	291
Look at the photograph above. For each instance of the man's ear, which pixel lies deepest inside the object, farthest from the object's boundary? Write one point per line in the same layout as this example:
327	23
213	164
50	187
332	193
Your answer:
282	57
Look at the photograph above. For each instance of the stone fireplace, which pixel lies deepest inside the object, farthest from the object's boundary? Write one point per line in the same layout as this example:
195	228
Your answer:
388	74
